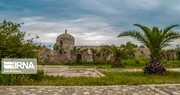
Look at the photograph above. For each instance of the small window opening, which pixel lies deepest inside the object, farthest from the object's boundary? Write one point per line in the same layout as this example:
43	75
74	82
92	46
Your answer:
60	52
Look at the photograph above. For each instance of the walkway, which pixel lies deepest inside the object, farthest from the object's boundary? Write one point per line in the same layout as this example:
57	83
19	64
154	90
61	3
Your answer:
167	89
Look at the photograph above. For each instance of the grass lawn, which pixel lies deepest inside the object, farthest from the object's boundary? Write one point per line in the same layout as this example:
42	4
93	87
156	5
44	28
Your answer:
130	63
115	78
111	78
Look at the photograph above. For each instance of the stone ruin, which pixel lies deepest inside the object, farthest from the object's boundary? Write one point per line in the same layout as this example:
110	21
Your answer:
66	51
172	55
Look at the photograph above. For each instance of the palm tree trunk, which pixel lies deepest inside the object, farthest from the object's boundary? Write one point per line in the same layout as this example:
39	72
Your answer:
154	67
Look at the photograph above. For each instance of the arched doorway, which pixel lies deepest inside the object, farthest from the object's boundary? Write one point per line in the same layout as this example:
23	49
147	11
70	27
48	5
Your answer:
78	57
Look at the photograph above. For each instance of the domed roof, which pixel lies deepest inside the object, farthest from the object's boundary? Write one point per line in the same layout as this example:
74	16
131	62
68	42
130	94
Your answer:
66	35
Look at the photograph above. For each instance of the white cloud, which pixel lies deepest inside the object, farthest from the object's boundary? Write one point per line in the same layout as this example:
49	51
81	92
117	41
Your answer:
87	31
92	31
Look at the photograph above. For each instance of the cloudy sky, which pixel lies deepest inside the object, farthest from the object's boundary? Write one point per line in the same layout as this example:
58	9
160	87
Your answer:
91	22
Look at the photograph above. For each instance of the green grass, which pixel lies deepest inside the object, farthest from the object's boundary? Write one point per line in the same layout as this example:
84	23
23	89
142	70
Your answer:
117	78
172	64
111	78
129	63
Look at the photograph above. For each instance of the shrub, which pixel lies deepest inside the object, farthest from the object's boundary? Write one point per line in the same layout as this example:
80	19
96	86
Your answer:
20	79
135	62
37	77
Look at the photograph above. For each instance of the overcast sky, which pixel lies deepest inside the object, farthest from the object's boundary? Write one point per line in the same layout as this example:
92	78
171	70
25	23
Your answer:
91	22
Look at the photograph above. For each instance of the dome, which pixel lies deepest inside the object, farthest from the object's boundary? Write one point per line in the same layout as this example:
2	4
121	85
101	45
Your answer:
65	35
65	39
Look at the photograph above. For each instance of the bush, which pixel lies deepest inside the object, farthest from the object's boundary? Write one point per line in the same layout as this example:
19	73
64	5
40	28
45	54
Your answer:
20	79
37	77
135	62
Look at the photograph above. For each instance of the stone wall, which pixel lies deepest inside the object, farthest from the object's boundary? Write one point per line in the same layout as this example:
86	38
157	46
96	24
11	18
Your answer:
171	55
43	55
84	52
142	52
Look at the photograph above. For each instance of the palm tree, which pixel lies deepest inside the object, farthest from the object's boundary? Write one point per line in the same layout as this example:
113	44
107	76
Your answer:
155	39
117	52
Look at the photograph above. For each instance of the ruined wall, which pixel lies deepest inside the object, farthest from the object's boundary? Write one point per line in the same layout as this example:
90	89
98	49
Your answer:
46	55
142	52
90	56
65	51
171	55
43	54
62	55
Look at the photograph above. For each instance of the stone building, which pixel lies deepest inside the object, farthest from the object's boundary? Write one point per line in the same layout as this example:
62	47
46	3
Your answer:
66	51
172	55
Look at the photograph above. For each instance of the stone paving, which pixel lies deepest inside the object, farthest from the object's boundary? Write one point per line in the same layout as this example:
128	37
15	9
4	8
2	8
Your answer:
165	89
70	72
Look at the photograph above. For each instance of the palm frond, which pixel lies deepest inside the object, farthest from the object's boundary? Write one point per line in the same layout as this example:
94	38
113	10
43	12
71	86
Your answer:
165	45
169	40
137	35
171	33
169	28
145	29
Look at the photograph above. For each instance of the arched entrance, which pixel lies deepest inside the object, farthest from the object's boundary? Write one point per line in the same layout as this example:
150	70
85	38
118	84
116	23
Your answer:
78	57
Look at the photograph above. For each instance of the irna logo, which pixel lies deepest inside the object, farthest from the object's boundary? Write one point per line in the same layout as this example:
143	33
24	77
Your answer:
19	66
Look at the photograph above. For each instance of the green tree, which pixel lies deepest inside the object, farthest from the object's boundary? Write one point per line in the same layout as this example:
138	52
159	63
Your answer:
118	54
155	39
129	44
129	49
12	43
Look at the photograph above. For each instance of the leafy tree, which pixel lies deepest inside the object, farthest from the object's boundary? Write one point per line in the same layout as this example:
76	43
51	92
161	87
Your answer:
129	44
129	48
93	51
155	39
12	43
118	54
